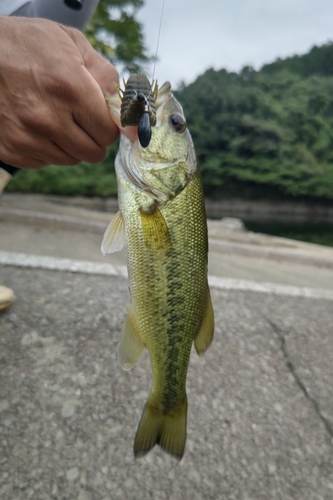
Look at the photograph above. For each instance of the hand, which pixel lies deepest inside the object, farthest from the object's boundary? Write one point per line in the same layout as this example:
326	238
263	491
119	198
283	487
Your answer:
52	105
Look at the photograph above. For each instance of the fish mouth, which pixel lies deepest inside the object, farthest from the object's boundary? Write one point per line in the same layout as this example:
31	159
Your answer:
127	160
143	164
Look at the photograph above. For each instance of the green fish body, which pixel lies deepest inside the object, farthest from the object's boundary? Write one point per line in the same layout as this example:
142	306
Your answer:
163	223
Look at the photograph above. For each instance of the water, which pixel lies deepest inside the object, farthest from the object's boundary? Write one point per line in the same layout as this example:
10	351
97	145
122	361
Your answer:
322	234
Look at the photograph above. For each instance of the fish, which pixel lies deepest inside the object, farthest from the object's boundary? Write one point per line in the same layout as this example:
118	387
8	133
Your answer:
162	223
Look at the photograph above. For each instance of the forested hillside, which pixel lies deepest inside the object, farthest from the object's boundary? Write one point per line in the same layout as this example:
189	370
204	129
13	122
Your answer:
266	133
318	61
257	134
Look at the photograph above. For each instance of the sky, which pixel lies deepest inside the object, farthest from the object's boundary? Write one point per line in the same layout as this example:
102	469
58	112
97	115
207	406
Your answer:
201	34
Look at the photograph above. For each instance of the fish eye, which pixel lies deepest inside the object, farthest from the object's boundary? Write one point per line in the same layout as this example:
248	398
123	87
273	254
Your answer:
178	123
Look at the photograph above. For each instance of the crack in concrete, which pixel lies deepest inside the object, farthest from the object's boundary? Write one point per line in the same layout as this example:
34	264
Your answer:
292	369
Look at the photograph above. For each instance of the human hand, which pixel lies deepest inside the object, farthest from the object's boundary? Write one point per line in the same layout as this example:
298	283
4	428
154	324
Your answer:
52	86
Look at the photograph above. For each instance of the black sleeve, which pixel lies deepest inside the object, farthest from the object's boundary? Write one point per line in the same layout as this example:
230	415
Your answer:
74	13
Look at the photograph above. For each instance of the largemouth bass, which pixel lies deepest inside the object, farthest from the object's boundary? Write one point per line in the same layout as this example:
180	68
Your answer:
162	221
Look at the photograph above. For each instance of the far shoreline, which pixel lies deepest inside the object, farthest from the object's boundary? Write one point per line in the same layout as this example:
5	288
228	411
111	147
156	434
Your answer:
248	210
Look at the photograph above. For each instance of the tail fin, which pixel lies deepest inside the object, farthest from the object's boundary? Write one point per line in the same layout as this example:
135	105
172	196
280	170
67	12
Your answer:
168	431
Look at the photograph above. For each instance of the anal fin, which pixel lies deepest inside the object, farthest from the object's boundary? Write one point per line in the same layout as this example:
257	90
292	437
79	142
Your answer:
131	347
114	236
205	335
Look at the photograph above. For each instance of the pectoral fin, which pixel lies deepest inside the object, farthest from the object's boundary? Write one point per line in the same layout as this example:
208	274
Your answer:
114	236
205	336
131	347
155	232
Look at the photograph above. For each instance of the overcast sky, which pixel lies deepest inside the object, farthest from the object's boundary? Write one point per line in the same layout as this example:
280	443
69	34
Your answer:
200	34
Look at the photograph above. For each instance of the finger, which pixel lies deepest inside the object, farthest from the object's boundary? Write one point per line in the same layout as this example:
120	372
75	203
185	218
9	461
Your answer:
78	143
91	112
36	151
52	154
101	70
97	82
25	162
44	126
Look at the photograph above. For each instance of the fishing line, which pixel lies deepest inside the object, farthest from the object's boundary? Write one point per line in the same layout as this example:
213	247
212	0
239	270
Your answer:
145	121
158	40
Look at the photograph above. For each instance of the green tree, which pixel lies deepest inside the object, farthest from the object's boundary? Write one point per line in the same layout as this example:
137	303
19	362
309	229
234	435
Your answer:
318	61
262	134
115	33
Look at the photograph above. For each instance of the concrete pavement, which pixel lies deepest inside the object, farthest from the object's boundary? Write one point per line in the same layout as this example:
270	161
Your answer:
260	420
260	413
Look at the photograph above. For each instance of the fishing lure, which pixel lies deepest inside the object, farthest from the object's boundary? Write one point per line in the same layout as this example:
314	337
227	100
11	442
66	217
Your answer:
138	105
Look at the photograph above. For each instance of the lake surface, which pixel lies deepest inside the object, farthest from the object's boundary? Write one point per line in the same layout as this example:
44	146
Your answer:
319	233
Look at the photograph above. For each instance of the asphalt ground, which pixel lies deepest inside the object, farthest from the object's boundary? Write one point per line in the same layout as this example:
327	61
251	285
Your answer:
260	418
